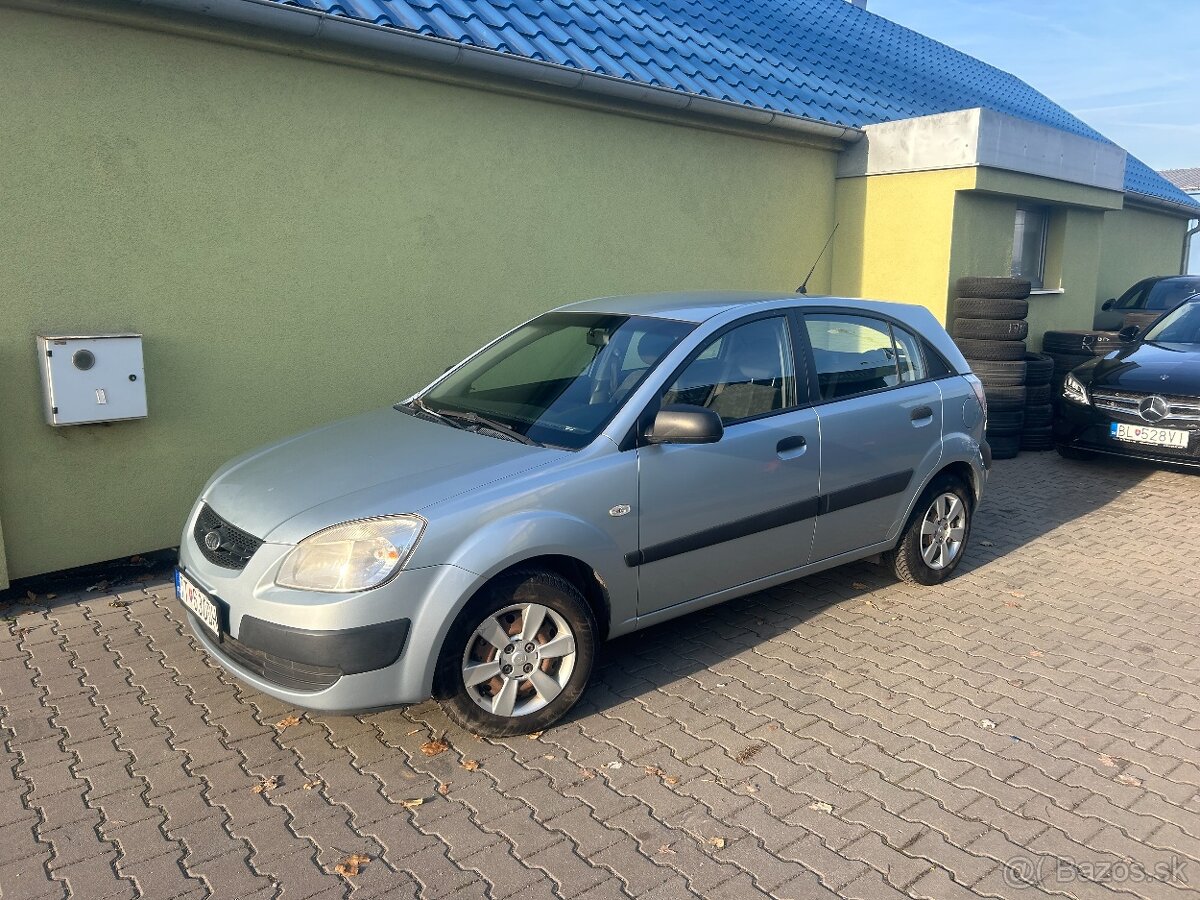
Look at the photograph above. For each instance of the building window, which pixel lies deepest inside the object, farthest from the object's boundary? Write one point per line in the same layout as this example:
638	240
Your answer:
1029	244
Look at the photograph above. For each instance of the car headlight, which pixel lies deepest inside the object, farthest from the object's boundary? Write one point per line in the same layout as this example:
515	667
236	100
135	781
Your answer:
353	556
1074	390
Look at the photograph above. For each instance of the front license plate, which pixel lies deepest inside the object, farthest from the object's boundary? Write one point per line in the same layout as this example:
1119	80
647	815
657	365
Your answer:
1147	434
201	605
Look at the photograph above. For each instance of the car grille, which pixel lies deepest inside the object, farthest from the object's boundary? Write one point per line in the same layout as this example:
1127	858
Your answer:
236	546
285	673
1180	410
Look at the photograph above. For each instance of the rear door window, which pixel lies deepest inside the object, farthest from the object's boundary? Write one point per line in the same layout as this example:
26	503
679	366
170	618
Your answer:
855	355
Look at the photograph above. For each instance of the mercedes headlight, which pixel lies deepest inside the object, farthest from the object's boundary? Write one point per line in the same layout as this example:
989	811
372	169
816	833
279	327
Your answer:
353	556
1074	390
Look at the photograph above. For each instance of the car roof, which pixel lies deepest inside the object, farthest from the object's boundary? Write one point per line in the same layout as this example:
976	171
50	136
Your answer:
699	306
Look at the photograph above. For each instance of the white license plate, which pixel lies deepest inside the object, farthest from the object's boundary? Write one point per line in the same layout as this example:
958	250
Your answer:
200	604
1148	434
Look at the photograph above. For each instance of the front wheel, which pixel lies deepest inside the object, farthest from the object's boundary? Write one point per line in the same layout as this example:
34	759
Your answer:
518	656
935	538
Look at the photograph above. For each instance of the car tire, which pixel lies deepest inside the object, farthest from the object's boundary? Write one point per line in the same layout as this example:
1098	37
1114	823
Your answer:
1006	421
502	605
915	559
992	286
1074	453
998	396
1005	446
1065	362
991	329
1089	342
1038	415
999	373
1039	369
1038	439
992	350
1038	393
990	308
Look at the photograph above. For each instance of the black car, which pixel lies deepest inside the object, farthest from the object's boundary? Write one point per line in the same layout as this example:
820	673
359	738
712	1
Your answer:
1142	400
1150	295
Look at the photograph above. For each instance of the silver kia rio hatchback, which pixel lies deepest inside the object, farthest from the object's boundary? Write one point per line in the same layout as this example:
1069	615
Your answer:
603	467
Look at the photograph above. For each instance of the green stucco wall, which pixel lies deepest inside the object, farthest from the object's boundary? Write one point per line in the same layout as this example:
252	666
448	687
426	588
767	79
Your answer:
301	240
1136	244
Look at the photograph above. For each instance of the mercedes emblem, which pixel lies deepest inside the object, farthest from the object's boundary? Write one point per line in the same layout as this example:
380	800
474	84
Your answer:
1153	409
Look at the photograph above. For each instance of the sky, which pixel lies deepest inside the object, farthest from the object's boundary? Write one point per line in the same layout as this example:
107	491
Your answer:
1126	67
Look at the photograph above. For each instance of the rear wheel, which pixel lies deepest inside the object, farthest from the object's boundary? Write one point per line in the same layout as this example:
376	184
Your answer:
518	656
935	538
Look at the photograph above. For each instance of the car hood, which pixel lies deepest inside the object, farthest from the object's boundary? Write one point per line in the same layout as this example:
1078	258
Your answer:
1151	368
381	463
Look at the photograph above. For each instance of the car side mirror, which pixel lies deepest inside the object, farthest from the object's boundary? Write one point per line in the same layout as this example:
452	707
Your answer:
1129	333
683	423
1108	304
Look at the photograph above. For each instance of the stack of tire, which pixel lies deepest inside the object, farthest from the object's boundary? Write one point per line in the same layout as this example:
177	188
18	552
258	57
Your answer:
1068	349
1037	431
990	329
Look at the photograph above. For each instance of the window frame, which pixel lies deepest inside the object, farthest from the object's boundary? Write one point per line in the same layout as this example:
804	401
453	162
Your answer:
1043	212
925	348
635	437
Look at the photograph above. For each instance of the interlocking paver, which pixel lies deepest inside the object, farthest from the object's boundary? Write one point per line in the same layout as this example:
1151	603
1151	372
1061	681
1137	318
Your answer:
842	735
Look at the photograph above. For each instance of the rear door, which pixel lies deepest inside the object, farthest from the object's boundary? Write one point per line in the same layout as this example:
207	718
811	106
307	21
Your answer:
881	426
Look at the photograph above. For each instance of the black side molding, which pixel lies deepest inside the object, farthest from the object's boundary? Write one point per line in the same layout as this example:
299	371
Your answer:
775	518
351	650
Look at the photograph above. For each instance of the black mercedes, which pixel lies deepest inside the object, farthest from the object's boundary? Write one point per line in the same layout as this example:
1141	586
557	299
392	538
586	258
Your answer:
1142	400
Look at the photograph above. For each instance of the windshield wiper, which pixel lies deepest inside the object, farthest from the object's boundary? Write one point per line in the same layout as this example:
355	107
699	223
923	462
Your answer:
475	418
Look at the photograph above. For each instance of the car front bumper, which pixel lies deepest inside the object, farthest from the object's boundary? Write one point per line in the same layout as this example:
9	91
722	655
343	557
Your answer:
1087	428
328	652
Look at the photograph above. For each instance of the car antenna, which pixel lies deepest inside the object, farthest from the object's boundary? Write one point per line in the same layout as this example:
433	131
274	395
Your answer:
803	289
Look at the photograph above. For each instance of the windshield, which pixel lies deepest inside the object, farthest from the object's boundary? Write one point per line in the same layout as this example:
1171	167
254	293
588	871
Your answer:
1179	327
1171	291
558	379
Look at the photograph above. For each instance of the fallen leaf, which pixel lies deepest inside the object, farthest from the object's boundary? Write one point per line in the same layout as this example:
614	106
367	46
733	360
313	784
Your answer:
587	773
746	787
267	784
869	602
534	735
655	770
287	722
444	788
820	806
1036	654
310	785
1106	760
858	586
118	603
412	804
433	748
1128	780
672	779
1017	594
1012	604
748	753
615	764
987	723
666	848
350	866
718	842
470	765
549	756
774	726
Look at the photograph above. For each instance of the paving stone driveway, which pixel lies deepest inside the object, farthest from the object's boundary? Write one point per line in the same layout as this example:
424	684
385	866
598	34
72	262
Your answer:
1037	719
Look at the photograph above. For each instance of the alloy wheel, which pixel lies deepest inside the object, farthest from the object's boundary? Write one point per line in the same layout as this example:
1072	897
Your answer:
943	530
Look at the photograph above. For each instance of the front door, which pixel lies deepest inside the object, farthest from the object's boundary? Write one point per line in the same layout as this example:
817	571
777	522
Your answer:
881	427
716	516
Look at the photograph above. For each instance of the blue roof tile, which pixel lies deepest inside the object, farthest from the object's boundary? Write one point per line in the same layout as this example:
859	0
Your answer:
821	59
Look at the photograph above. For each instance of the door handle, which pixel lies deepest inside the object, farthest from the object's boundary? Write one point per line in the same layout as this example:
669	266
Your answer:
921	412
792	446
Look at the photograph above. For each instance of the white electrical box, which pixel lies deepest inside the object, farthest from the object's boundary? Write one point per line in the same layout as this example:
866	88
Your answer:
92	378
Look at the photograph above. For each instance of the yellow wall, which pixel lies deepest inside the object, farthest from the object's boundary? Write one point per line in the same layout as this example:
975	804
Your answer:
1137	243
894	236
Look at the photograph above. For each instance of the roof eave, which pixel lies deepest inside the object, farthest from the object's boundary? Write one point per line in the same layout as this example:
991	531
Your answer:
321	26
1191	210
